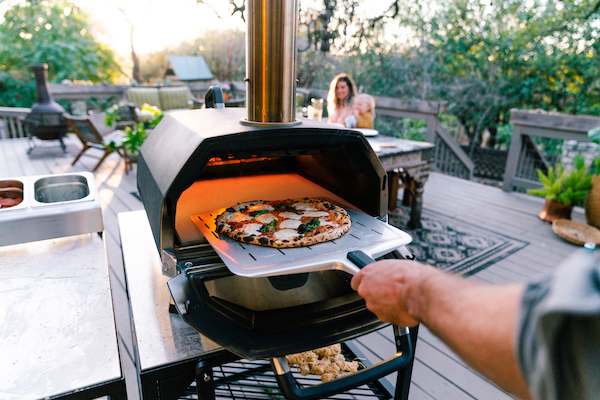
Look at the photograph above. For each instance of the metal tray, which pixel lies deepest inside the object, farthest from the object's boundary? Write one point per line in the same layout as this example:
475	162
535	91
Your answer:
367	234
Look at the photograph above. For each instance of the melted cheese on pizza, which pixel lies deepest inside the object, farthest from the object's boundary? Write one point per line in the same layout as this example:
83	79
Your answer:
326	222
286	234
314	214
301	206
266	218
238	217
290	224
252	229
290	215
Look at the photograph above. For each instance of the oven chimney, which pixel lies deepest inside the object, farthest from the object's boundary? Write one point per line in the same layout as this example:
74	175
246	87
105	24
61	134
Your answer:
271	62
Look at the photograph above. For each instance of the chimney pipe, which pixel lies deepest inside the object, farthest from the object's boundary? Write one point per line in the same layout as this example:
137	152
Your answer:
271	62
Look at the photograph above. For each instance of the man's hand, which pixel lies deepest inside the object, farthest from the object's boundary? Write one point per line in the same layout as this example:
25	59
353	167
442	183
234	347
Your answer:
390	288
478	321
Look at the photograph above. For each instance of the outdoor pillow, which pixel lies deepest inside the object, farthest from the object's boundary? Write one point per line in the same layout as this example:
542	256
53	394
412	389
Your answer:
175	97
140	96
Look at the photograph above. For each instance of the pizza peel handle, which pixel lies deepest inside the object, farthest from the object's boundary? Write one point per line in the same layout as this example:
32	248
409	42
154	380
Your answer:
360	258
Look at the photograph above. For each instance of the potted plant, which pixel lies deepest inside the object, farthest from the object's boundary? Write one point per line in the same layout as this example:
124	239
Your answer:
563	189
133	141
592	203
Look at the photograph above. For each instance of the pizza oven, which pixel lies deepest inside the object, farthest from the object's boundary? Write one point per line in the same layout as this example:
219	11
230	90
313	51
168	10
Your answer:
198	162
256	301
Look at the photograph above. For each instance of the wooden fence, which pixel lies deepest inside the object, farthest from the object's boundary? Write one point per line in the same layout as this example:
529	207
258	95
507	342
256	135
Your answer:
525	156
12	122
449	156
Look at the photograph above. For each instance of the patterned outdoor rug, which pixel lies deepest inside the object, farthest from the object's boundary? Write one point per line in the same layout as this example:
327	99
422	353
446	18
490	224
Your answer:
454	245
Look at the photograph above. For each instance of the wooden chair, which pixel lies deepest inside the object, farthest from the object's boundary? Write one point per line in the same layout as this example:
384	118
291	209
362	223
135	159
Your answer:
91	138
127	116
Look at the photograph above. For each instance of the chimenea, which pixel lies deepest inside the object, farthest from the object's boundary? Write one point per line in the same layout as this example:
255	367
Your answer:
45	121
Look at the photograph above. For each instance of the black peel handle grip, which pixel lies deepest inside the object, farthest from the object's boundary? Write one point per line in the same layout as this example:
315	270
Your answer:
360	258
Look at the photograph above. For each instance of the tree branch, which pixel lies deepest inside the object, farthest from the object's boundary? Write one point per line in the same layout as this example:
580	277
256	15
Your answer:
593	11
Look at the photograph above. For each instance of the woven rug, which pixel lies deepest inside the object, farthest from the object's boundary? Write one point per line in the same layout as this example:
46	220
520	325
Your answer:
454	245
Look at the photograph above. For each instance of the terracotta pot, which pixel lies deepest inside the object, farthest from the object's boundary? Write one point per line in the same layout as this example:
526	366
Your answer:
592	203
554	210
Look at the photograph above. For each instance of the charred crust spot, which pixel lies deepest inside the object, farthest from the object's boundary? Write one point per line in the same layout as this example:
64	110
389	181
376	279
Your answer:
263	240
248	238
230	209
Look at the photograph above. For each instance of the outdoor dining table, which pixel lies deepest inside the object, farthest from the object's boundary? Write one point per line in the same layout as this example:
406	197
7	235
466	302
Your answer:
408	161
57	333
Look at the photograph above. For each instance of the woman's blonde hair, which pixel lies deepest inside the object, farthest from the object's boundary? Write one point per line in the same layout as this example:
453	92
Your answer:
332	99
370	100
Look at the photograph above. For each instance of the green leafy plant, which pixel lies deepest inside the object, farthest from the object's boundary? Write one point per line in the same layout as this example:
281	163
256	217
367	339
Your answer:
566	187
112	115
135	138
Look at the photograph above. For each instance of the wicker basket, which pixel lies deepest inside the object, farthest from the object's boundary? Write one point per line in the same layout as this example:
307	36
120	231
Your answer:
592	203
576	232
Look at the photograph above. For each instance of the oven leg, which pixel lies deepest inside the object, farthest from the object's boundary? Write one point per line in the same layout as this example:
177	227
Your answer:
204	381
405	374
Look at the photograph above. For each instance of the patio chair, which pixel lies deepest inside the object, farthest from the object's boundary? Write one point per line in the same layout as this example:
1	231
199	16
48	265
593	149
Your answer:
127	116
91	138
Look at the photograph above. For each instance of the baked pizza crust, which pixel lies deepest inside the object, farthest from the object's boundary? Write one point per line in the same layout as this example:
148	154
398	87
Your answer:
239	228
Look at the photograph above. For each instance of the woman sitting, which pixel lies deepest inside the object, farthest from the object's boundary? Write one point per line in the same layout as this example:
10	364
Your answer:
339	100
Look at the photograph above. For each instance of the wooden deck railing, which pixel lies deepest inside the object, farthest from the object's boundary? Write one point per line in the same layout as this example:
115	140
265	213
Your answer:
12	122
524	156
449	157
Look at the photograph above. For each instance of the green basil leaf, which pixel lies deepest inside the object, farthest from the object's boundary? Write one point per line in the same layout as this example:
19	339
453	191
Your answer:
309	226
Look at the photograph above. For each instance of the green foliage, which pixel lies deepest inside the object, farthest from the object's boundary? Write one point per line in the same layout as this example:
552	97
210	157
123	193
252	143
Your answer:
134	138
565	187
16	91
483	58
57	33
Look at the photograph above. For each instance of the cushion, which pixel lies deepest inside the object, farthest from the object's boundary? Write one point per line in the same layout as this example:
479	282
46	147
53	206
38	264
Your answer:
140	95
174	97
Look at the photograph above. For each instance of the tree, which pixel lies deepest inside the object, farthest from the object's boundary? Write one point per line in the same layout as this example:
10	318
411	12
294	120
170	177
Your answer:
224	52
57	34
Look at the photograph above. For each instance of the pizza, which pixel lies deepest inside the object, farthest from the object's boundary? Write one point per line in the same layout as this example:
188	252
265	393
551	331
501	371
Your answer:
284	223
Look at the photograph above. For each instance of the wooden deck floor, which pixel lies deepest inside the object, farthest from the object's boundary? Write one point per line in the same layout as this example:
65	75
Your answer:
438	372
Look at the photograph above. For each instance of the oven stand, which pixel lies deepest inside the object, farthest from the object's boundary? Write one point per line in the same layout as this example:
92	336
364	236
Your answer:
240	378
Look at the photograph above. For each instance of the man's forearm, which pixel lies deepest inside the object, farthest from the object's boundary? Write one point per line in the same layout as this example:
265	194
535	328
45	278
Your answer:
477	321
